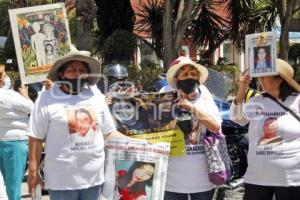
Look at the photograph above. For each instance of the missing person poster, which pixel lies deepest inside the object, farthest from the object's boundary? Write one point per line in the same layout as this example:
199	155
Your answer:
135	170
149	116
261	54
41	35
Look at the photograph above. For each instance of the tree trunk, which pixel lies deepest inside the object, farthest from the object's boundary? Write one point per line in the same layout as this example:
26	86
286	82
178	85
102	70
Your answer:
17	3
84	19
285	15
167	33
173	33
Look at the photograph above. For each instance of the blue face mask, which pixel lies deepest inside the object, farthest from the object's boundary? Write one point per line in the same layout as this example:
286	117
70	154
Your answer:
7	83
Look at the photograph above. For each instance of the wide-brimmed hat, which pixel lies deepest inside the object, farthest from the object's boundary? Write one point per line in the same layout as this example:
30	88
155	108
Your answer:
76	55
183	61
286	72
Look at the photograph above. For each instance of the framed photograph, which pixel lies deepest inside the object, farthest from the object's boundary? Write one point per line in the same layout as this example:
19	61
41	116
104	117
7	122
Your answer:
41	35
261	54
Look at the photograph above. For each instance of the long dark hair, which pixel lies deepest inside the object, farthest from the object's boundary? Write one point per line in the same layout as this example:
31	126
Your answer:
137	187
285	90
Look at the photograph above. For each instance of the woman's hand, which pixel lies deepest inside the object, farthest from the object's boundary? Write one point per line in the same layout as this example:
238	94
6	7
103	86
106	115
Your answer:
23	90
243	87
109	99
33	180
186	104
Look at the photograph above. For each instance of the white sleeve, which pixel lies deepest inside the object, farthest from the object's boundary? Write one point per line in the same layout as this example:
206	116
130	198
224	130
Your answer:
108	124
39	118
21	103
212	108
237	115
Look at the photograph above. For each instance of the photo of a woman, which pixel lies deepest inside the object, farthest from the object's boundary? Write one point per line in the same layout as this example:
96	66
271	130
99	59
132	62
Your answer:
262	57
82	124
131	184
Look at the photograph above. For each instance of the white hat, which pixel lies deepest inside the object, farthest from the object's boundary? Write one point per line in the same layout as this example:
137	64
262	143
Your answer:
75	55
183	61
286	72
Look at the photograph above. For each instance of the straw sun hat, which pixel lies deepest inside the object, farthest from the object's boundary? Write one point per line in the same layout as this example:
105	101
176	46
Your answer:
75	55
183	61
286	72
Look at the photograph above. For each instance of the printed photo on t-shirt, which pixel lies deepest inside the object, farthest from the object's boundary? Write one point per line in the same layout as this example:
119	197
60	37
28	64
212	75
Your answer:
82	123
134	180
269	133
192	137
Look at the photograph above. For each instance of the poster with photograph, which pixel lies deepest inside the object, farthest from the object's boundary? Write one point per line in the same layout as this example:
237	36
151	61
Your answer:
261	54
41	35
150	116
139	170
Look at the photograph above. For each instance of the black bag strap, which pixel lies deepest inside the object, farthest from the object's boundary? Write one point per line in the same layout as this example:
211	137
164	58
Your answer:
283	106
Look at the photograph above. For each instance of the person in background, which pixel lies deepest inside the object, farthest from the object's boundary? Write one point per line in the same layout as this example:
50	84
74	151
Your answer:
274	136
188	175
6	79
15	108
73	169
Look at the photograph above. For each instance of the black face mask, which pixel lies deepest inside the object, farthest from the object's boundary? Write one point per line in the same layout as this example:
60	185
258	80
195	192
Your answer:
188	85
75	85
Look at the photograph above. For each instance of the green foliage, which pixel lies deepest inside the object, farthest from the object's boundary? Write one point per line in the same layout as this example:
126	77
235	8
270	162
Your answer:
297	73
146	76
72	25
2	59
294	52
120	45
4	19
13	75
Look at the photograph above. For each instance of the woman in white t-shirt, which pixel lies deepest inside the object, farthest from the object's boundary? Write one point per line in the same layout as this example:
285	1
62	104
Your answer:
188	175
274	136
74	168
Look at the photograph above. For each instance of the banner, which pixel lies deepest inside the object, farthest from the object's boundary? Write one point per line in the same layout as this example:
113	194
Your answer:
149	116
139	170
41	35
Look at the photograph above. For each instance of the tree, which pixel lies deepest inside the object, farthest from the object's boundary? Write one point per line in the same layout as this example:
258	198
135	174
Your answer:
9	48
176	18
113	15
286	11
206	22
84	20
4	22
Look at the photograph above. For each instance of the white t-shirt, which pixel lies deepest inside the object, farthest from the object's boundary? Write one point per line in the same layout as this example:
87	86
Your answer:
72	164
14	117
274	156
189	174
